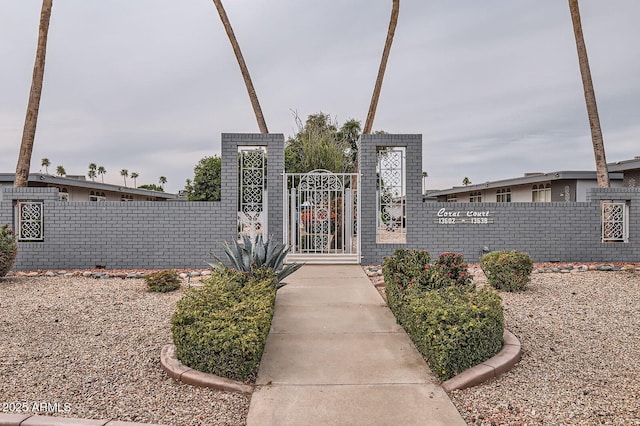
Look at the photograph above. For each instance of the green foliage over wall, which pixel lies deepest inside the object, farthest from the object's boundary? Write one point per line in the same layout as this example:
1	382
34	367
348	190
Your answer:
320	144
151	187
207	180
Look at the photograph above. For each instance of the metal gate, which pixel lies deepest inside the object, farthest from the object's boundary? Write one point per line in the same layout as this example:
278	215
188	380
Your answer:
322	217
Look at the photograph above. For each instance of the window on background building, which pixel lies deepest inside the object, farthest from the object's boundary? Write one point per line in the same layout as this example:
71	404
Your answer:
126	197
541	193
63	195
97	196
475	197
452	198
503	195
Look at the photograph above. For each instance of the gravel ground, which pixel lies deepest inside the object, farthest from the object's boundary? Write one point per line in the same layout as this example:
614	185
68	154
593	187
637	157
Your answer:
581	357
90	348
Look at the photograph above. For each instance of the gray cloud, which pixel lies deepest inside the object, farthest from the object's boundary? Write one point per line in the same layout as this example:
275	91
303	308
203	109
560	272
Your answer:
493	86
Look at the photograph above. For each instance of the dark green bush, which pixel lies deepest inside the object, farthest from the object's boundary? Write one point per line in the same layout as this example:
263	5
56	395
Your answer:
410	271
455	328
405	270
407	266
8	249
453	325
507	270
162	281
450	269
221	328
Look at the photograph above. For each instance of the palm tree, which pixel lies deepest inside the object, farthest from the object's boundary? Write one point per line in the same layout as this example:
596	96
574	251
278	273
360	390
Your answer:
29	131
162	181
102	171
466	181
393	22
134	176
124	173
60	171
253	97
602	171
45	163
92	171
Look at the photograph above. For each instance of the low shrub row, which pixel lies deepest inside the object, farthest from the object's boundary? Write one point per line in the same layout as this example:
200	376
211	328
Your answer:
451	323
221	328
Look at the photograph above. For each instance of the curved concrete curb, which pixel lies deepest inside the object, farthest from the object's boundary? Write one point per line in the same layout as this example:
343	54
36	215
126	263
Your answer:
34	420
184	374
493	367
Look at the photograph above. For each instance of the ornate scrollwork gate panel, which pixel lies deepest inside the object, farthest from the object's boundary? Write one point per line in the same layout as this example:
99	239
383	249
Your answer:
252	194
322	215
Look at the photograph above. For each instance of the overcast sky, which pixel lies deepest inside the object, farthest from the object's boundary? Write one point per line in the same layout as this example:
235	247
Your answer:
149	85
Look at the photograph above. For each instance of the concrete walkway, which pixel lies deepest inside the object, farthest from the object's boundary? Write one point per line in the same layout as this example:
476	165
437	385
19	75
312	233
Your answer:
335	356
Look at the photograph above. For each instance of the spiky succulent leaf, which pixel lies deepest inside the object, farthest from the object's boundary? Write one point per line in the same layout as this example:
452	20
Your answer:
288	270
260	252
249	256
235	255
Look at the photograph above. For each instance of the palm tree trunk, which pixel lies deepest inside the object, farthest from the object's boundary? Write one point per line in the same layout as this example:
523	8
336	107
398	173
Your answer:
253	97
383	65
29	132
602	172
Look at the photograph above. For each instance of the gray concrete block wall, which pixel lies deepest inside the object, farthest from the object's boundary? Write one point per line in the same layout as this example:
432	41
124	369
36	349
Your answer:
149	235
549	232
161	235
371	251
145	235
275	168
556	231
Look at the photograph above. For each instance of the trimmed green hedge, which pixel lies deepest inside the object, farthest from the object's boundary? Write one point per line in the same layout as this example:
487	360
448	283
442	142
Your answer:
507	270
222	327
452	324
8	249
455	328
404	271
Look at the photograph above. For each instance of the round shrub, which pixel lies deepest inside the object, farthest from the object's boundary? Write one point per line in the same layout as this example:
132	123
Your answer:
507	270
8	249
450	269
162	281
455	328
406	267
222	327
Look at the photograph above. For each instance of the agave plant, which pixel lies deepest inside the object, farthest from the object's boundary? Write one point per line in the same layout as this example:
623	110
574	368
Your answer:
248	257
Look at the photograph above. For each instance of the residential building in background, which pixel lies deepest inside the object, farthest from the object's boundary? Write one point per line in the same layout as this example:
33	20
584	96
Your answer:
77	188
541	187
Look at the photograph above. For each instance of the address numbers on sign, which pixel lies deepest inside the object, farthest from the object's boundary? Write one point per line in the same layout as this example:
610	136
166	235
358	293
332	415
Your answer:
452	217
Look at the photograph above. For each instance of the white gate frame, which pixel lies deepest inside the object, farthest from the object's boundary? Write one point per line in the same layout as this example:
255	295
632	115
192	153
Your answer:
309	237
